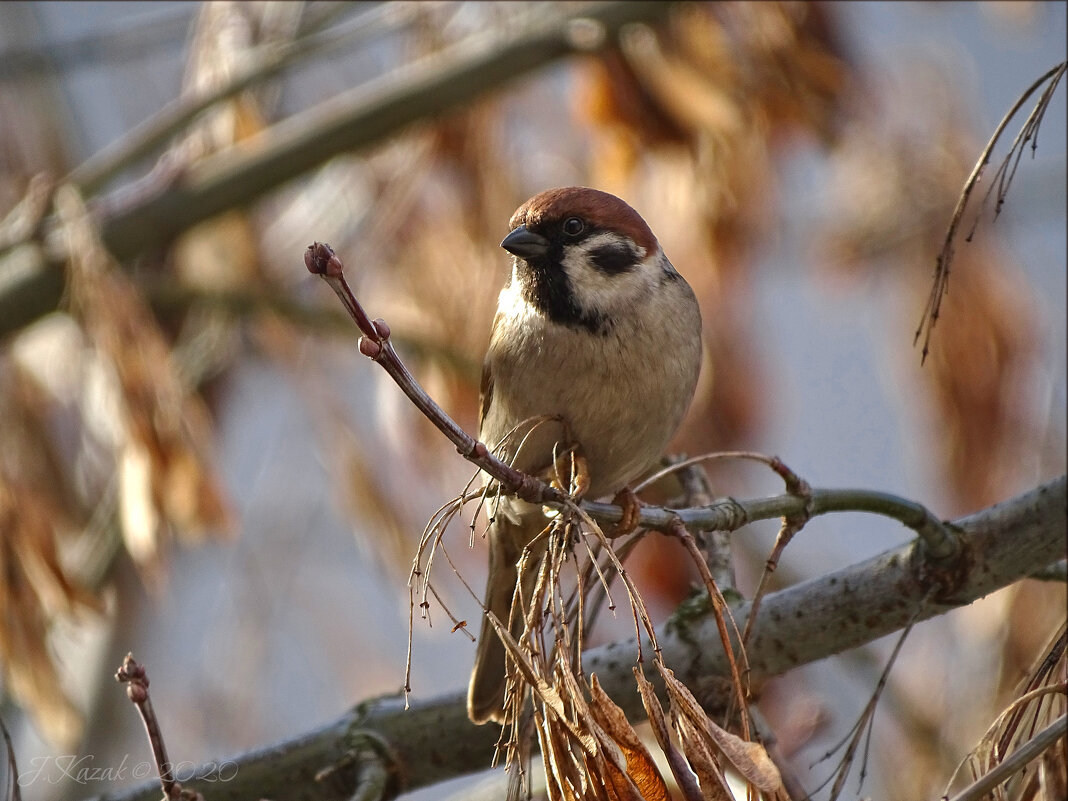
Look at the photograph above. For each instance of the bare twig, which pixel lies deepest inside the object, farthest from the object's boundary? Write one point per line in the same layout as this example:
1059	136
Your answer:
940	541
135	678
321	260
862	729
731	514
791	524
1015	761
715	544
772	462
1003	179
722	614
11	789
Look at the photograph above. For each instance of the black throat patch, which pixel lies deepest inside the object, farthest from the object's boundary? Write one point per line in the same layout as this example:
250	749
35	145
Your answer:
546	287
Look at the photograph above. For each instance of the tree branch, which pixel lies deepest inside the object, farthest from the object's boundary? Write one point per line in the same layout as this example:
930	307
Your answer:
434	741
152	213
154	133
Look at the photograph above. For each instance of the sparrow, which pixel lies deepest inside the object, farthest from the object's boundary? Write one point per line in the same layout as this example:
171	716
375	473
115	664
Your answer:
597	333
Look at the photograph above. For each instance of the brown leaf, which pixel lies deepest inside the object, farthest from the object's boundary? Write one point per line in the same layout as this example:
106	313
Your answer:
689	97
34	592
602	766
680	768
749	759
548	695
641	768
167	479
559	766
702	761
1053	771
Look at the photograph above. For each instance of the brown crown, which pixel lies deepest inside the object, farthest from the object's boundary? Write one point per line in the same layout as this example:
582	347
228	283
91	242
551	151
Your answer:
597	208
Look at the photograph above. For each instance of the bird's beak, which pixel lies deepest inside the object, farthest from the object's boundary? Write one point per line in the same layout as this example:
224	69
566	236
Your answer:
525	244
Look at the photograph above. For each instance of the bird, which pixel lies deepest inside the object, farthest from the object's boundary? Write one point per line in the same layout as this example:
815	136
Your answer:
596	332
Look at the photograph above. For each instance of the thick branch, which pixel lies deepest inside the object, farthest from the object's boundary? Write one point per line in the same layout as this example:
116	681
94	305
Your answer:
434	740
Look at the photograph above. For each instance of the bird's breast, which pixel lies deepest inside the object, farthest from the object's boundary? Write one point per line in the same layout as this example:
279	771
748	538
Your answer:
621	395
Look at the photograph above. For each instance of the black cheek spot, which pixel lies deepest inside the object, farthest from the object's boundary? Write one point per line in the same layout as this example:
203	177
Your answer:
613	259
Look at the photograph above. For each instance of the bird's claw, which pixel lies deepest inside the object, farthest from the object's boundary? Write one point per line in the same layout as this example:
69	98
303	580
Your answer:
626	500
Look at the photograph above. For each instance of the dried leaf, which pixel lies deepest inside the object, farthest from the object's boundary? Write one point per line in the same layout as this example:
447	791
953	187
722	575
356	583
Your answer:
702	761
641	767
608	767
35	590
560	776
1053	775
548	695
165	462
680	768
599	767
749	759
689	97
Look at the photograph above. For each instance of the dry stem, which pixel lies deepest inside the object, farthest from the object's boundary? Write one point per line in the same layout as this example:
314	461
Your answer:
1003	179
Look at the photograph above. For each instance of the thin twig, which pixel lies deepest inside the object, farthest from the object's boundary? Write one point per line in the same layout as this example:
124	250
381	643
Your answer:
790	527
863	726
715	545
722	613
135	678
772	462
731	514
791	524
1015	761
945	257
11	788
321	260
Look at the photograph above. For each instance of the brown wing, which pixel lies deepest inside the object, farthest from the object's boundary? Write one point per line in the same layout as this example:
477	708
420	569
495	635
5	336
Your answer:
485	393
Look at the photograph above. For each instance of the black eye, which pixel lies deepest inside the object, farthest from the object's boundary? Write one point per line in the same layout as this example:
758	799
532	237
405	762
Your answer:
573	226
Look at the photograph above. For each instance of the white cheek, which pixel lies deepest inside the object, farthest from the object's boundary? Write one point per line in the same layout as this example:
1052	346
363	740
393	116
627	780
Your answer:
597	290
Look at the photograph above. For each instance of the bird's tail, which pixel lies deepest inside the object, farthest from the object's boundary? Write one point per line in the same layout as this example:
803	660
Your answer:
507	539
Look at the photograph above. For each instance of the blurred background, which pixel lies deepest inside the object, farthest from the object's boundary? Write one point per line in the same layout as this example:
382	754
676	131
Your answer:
199	467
